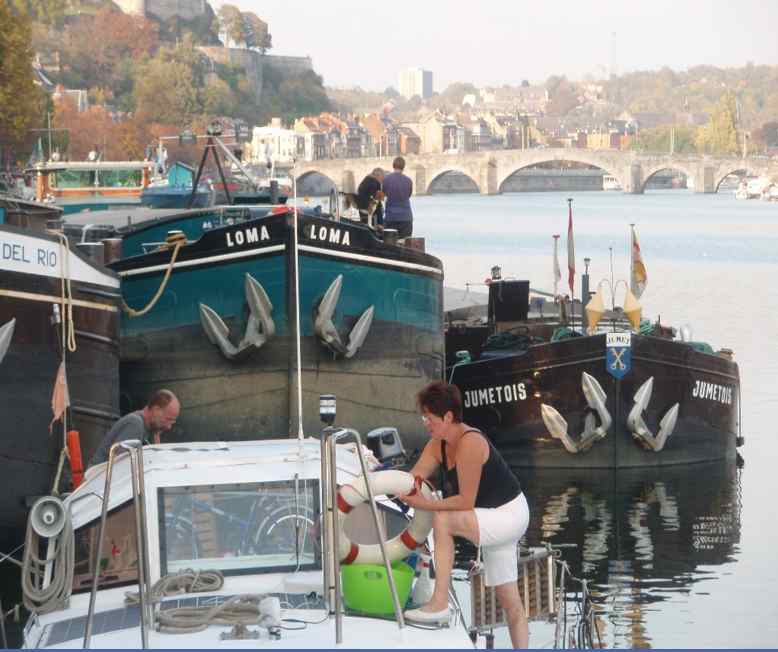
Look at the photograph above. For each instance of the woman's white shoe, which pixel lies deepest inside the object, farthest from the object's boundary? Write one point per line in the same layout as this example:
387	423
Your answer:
428	617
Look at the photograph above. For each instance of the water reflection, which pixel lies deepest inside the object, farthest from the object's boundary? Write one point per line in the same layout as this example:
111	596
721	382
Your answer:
639	537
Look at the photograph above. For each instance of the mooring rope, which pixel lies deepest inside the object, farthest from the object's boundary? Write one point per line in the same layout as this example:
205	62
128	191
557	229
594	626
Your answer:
177	241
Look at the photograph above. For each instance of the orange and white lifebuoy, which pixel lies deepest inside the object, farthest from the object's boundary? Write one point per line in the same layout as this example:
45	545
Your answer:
393	483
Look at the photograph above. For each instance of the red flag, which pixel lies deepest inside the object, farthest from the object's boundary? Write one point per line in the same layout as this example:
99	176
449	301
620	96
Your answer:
570	250
638	277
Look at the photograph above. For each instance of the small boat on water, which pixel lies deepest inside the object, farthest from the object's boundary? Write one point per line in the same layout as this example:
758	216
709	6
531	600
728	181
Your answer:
610	183
770	193
753	188
59	323
552	393
175	190
92	185
215	544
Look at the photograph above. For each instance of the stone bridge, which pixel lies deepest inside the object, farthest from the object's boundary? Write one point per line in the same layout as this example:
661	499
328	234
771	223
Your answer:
489	170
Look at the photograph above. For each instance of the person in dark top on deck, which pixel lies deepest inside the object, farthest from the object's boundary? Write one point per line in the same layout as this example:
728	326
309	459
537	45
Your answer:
482	502
147	425
369	195
398	190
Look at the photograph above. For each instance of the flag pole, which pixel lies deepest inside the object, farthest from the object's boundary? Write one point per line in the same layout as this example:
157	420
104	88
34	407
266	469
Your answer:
631	257
557	273
571	259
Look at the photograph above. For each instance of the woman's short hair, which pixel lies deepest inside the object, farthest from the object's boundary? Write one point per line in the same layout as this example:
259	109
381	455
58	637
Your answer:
440	397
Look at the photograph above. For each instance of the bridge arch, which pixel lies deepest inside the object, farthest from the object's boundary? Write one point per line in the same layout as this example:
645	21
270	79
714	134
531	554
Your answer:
654	169
612	163
509	171
442	171
313	182
723	172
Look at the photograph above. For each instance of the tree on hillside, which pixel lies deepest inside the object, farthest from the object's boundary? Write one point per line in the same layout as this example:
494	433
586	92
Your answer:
244	28
563	96
257	33
42	11
766	135
719	136
218	98
232	23
165	91
98	61
21	102
455	93
85	130
660	138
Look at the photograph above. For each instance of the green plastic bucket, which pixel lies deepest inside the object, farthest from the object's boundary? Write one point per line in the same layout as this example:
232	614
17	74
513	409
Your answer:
366	587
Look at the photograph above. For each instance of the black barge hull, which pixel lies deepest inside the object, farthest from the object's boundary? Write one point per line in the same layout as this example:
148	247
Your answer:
504	395
29	450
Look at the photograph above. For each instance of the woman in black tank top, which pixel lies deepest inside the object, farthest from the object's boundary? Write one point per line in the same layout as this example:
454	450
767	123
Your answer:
472	474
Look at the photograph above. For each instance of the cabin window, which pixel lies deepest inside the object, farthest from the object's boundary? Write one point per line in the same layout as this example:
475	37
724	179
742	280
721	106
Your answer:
246	528
104	178
74	179
119	556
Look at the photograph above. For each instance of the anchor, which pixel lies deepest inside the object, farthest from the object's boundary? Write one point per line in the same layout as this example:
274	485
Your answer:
259	328
637	425
325	328
595	398
6	333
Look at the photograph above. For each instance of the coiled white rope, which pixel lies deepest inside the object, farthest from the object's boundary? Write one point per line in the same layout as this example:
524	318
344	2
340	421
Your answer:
238	610
185	581
42	599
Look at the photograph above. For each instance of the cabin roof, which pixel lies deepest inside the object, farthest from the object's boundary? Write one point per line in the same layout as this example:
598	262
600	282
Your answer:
183	464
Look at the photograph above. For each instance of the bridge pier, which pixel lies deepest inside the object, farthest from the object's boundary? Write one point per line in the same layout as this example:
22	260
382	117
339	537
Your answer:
488	180
705	182
347	183
635	180
419	179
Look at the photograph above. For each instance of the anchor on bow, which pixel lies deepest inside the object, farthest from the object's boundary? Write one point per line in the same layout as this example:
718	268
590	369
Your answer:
6	333
259	328
325	328
595	398
637	425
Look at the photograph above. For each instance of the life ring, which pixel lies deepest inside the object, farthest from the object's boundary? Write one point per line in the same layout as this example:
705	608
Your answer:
394	483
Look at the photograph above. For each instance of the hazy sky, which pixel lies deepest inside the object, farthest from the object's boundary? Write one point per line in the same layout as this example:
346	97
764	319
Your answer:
491	42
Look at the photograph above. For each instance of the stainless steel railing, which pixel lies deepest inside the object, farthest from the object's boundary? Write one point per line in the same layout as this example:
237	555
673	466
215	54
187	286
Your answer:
135	449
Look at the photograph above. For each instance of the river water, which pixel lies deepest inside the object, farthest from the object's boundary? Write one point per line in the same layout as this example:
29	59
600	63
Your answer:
676	558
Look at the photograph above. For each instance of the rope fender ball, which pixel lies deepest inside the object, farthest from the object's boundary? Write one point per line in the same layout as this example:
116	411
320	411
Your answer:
393	483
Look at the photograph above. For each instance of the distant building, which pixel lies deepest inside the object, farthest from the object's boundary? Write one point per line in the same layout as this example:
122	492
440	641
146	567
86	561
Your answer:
164	9
410	143
415	81
386	139
275	145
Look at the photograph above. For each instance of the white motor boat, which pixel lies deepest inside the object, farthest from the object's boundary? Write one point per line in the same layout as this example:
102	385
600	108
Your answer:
610	183
228	552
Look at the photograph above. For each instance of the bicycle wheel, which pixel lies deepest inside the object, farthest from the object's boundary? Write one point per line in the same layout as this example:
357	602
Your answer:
181	540
282	531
